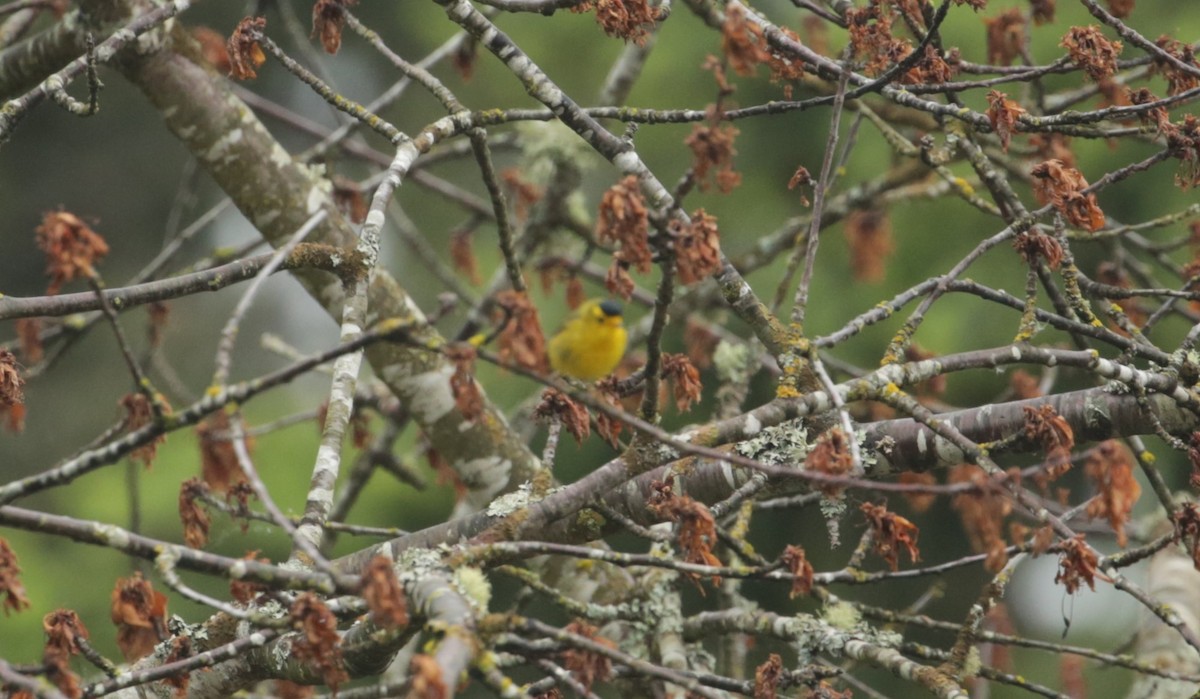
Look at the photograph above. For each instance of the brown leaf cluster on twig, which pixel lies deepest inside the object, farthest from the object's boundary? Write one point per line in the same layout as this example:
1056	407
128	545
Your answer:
64	633
1187	530
630	20
140	614
12	397
712	152
521	341
468	399
742	42
1092	51
1178	79
767	677
219	465
318	642
29	334
891	534
796	561
1077	565
609	428
982	514
697	530
192	514
684	378
556	405
1048	429
830	455
871	37
328	17
245	53
1056	183
624	220
72	248
1183	142
587	667
138	414
1034	244
802	178
1005	36
1002	113
869	233
1110	466
525	193
1156	115
697	247
12	592
1042	11
383	594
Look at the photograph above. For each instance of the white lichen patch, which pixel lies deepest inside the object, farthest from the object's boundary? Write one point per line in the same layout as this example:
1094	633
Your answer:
428	393
780	445
509	503
474	586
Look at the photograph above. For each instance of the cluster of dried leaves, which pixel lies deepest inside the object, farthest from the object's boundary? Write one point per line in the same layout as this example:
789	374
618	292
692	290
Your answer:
1049	430
795	560
12	592
1110	466
138	414
244	52
630	20
521	340
624	220
1091	50
64	634
587	666
1077	565
328	17
982	512
1054	182
383	594
12	397
830	455
869	233
696	531
872	40
891	534
556	405
140	615
318	642
468	398
72	248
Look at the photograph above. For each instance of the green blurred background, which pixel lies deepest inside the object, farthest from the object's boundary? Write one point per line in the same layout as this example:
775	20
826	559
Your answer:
123	171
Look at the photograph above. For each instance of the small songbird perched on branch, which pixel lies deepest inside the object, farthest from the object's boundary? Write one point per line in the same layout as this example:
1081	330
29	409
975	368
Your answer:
591	342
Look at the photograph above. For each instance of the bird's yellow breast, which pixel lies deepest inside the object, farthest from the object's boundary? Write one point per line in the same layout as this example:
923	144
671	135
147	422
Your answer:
591	343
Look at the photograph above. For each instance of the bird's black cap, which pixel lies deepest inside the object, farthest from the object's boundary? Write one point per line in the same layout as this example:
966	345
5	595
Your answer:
610	307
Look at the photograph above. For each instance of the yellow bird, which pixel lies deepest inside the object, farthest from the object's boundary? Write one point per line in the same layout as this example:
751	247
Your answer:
591	342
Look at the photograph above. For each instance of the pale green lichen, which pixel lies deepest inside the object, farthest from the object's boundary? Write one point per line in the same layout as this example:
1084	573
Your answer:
779	445
732	362
515	501
842	615
474	586
548	143
973	663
